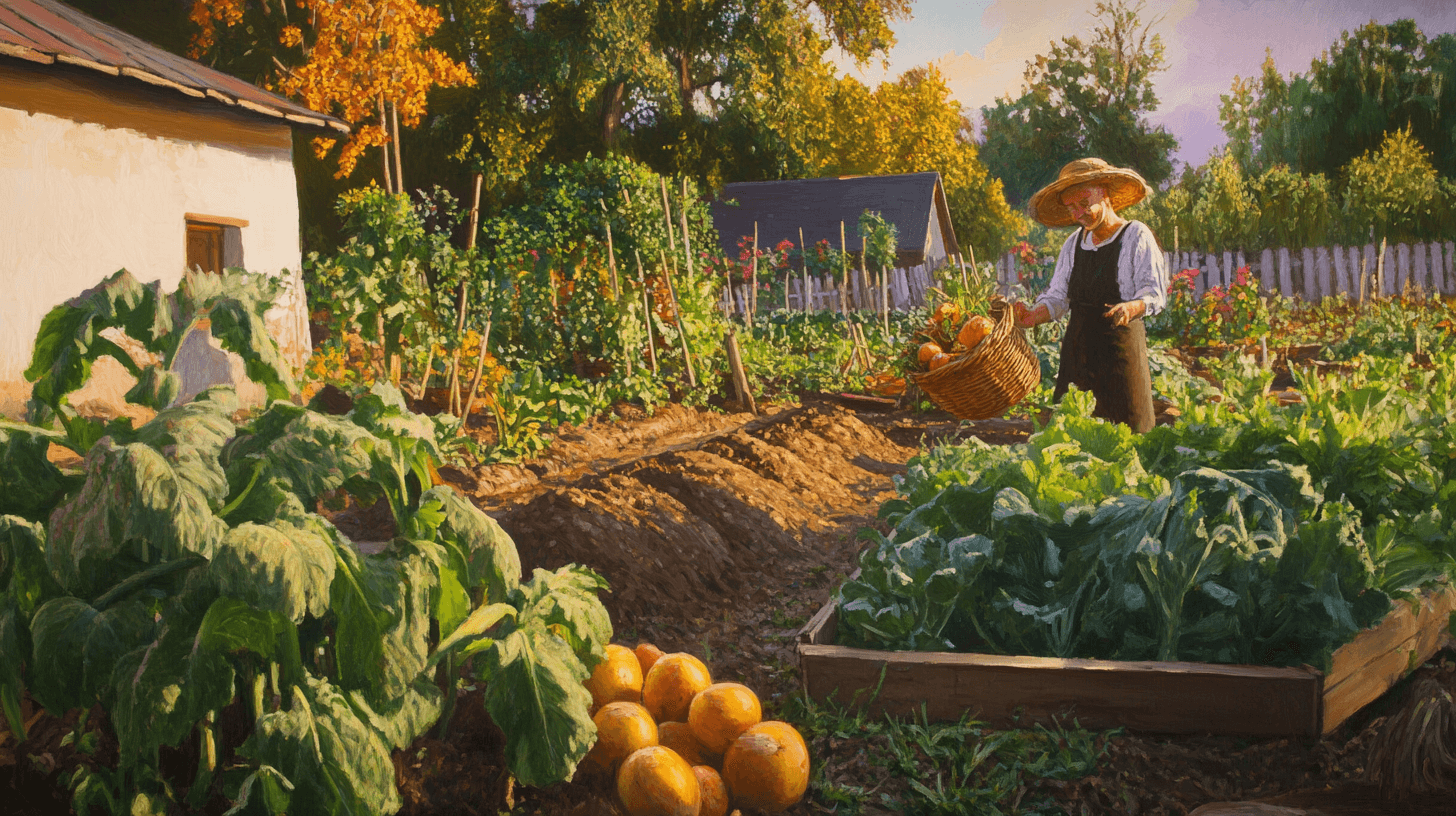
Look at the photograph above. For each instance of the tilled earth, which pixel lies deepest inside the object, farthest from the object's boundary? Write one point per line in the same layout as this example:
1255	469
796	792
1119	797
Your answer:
721	534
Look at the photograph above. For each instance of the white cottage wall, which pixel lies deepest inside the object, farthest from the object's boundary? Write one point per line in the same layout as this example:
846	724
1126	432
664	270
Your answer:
98	177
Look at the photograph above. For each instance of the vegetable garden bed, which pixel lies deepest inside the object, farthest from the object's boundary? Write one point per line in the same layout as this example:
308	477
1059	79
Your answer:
1163	697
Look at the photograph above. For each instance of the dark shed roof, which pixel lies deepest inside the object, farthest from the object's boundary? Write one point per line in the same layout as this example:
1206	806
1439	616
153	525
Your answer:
47	32
817	205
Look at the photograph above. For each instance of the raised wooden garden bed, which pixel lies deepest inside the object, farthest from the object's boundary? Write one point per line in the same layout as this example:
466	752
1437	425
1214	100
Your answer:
1007	691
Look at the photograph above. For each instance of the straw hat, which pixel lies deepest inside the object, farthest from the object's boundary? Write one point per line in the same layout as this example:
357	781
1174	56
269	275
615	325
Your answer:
1124	189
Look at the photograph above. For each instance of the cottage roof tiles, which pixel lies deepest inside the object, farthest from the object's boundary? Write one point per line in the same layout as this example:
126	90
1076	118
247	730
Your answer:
49	32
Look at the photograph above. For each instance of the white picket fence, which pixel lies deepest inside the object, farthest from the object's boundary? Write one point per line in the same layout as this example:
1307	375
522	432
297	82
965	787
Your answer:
1314	273
906	288
1308	274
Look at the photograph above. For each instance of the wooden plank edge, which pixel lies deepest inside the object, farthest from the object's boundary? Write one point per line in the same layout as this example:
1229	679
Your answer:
161	82
1071	665
28	54
1400	625
1345	696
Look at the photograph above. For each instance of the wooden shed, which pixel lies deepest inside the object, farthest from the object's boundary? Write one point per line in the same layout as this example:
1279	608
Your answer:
913	202
117	154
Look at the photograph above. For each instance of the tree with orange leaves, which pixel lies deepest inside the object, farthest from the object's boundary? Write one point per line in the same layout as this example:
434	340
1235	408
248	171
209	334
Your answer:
365	61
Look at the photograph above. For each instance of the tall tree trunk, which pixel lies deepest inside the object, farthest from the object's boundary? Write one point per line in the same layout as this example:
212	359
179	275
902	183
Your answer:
384	148
398	165
614	97
685	83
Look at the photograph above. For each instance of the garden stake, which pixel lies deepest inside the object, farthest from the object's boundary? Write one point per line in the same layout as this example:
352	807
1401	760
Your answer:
611	252
455	357
612	266
425	374
753	289
1363	270
682	212
804	264
740	377
646	313
864	274
843	273
667	219
475	382
967	281
454	386
682	334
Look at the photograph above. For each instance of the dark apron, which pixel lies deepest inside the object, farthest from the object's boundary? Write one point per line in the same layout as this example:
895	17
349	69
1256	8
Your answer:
1110	361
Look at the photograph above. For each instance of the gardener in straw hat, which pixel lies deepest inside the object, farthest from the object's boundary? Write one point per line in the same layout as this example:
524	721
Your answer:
1110	274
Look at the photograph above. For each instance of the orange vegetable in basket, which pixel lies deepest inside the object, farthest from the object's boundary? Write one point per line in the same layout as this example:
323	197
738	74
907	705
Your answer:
975	331
928	350
939	360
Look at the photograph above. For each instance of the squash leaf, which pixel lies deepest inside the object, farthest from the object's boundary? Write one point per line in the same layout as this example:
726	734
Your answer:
337	763
283	567
76	647
30	486
535	693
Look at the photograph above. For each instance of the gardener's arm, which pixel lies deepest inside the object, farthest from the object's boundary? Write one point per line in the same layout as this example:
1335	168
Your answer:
1053	302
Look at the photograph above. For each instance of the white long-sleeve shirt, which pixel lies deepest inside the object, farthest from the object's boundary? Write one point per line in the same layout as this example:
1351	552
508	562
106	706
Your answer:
1142	272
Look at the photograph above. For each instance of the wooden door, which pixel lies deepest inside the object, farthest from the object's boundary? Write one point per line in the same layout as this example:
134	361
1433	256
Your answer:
204	247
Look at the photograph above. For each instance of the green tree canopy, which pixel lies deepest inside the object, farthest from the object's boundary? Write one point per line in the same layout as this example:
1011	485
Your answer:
1084	98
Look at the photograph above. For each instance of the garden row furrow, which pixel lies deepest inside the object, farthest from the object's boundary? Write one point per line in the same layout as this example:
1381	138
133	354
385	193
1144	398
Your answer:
678	530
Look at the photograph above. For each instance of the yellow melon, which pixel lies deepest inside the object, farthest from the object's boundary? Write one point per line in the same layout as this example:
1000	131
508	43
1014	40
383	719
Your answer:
713	792
679	737
654	781
621	729
767	767
939	360
721	712
927	351
618	679
975	331
668	689
647	656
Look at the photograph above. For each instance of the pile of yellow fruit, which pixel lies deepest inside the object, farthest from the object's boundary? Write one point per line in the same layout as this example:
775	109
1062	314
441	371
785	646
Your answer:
678	744
948	334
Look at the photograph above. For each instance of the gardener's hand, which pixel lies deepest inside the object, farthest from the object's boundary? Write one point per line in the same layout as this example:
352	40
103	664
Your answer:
1029	318
1124	313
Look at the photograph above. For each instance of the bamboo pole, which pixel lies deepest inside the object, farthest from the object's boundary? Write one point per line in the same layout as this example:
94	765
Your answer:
682	334
961	264
646	313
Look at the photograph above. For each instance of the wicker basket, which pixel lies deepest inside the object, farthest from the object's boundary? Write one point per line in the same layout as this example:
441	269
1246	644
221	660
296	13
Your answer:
998	373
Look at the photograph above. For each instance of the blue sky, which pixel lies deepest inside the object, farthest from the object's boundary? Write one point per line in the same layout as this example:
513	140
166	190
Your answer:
982	46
